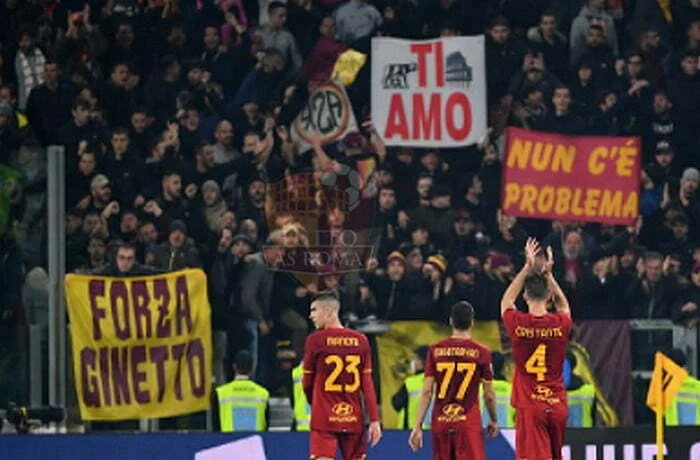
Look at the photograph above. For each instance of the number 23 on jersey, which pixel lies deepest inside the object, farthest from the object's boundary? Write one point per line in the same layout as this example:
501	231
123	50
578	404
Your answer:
349	364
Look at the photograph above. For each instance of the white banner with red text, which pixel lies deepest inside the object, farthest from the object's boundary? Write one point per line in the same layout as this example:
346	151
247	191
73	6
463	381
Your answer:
429	93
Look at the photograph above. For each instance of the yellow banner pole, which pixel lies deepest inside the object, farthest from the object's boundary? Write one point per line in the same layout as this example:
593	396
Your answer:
660	422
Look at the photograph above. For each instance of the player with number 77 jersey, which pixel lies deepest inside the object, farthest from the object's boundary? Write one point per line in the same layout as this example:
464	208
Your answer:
539	340
337	378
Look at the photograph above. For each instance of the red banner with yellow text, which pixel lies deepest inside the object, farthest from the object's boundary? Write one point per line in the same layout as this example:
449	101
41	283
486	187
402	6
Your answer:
583	178
141	346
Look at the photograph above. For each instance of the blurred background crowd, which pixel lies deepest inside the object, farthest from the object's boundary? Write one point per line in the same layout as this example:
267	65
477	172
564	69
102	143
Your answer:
175	119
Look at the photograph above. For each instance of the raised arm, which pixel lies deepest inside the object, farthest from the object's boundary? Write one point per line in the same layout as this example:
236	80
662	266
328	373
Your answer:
558	297
516	286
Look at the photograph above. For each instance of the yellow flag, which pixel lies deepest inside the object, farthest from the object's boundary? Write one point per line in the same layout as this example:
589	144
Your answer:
667	375
348	65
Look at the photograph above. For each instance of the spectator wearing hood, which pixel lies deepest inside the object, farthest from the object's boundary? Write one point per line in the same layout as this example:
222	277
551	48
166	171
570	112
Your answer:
592	14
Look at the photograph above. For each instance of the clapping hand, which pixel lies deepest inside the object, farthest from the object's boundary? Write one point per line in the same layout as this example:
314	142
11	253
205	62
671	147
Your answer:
532	247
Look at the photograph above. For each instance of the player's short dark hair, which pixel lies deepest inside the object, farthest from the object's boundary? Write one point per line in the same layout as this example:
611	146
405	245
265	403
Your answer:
536	287
422	352
462	315
275	5
125	245
243	363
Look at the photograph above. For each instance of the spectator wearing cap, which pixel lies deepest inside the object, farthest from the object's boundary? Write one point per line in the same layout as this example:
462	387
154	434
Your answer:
663	168
100	193
438	217
434	270
179	251
687	308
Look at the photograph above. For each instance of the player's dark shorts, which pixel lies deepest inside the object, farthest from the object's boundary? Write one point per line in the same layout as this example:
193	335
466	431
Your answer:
464	443
539	432
353	446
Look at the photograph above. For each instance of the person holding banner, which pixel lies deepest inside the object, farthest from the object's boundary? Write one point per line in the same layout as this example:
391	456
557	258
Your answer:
540	340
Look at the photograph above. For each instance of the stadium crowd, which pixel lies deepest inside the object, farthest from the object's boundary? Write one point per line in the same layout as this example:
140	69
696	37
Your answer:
175	118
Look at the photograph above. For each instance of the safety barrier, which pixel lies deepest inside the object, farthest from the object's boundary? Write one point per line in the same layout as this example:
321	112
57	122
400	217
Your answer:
682	443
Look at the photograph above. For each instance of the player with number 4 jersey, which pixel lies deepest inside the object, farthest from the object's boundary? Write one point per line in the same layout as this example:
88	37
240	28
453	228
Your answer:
539	341
337	378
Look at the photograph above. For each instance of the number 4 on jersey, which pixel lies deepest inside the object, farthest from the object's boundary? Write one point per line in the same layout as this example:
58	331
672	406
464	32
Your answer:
537	362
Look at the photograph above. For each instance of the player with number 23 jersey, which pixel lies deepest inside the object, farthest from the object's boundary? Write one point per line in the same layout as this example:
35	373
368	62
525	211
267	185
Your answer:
337	380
